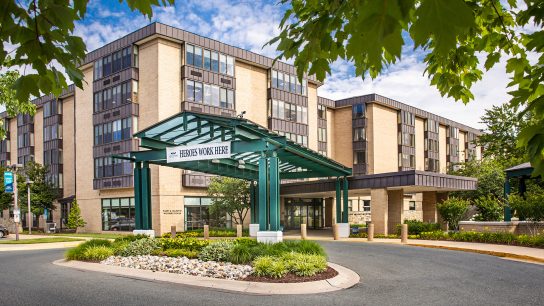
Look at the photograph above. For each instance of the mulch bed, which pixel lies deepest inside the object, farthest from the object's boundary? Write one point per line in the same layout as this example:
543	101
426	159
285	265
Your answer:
292	278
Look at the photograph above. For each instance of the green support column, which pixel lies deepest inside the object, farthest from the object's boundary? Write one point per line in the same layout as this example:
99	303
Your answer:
346	209
252	203
138	195
146	197
338	202
507	209
274	194
263	193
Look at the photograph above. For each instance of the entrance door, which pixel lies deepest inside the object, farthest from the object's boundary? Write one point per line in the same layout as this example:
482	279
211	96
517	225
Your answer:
304	211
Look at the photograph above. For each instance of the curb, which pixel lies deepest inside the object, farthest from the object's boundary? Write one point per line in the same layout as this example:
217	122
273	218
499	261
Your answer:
485	252
345	279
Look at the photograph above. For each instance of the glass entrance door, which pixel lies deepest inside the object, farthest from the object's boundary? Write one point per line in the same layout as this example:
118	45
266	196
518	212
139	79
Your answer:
304	211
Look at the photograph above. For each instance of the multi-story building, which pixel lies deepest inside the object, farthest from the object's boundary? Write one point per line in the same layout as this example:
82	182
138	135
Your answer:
399	154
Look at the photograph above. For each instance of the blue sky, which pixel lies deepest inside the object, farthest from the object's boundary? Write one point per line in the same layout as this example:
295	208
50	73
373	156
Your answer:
250	24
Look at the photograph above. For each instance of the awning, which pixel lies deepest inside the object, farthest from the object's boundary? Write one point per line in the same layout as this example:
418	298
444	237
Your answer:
249	141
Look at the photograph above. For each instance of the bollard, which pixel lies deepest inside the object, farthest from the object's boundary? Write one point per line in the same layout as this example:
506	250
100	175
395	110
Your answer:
303	231
173	231
370	232
335	232
206	231
239	230
404	233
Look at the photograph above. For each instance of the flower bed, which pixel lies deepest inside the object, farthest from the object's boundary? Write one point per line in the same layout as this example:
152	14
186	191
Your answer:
289	261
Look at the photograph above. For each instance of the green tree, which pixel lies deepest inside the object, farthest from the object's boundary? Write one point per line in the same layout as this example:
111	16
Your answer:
230	196
452	211
503	125
529	207
6	199
456	36
36	34
489	208
75	220
490	175
42	191
8	99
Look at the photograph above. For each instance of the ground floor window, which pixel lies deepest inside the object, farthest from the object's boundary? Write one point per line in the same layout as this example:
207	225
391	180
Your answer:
118	214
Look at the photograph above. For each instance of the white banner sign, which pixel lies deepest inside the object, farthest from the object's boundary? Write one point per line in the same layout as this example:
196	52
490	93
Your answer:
205	151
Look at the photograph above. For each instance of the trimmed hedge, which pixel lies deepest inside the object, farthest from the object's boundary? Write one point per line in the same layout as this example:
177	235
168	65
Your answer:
496	238
416	227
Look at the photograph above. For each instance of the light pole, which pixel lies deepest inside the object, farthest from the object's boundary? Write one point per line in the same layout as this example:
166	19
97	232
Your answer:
16	204
29	219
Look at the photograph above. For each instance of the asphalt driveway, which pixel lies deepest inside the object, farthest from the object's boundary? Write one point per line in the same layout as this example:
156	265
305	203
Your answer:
390	275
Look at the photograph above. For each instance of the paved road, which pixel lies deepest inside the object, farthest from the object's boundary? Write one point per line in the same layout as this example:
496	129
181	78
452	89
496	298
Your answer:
390	275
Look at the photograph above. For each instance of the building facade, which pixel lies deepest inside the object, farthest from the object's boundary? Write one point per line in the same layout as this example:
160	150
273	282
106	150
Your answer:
159	71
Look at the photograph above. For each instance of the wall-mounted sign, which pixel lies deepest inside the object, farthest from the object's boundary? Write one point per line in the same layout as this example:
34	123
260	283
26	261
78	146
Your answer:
172	211
8	181
204	151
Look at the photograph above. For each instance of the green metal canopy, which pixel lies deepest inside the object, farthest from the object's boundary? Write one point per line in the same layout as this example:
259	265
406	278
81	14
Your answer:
255	154
248	142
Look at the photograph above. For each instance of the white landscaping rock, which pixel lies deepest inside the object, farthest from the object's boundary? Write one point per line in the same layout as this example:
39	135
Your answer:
182	265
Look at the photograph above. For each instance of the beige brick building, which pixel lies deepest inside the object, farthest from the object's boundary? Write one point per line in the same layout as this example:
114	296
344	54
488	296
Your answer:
399	154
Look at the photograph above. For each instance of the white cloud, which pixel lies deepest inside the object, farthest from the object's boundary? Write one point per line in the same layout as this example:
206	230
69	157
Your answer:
250	25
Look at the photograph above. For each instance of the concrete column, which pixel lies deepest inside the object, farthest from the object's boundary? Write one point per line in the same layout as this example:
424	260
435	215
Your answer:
379	210
395	204
430	214
329	212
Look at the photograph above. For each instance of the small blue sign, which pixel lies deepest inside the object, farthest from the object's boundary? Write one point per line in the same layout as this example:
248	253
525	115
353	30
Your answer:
8	181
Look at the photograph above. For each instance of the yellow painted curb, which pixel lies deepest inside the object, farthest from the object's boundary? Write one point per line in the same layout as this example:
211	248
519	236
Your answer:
494	253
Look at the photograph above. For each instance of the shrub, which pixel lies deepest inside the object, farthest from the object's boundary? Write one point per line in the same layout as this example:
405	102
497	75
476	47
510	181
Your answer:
183	234
452	210
140	247
130	238
246	241
358	225
97	253
77	253
217	251
416	227
192	244
529	208
269	266
436	235
305	247
242	254
489	208
304	264
176	253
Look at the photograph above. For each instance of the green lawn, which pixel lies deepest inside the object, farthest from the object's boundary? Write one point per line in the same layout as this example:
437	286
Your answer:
40	240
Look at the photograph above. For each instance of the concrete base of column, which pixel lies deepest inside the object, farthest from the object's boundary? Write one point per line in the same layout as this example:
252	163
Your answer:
343	230
269	236
150	233
253	229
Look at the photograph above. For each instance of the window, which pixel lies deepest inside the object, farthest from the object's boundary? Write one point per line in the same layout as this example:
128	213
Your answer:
432	126
207	60
135	58
407	139
412	205
106	66
407	118
358	111
407	160
98	134
280	80
230	65
321	111
197	61
190	92
117	131
117	61
126	124
215	95
288	82
98	69
190	51
215	62
118	214
366	205
274	79
322	134
198	92
454	132
359	134
222	63
359	157
304	87
432	165
126	57
223	97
